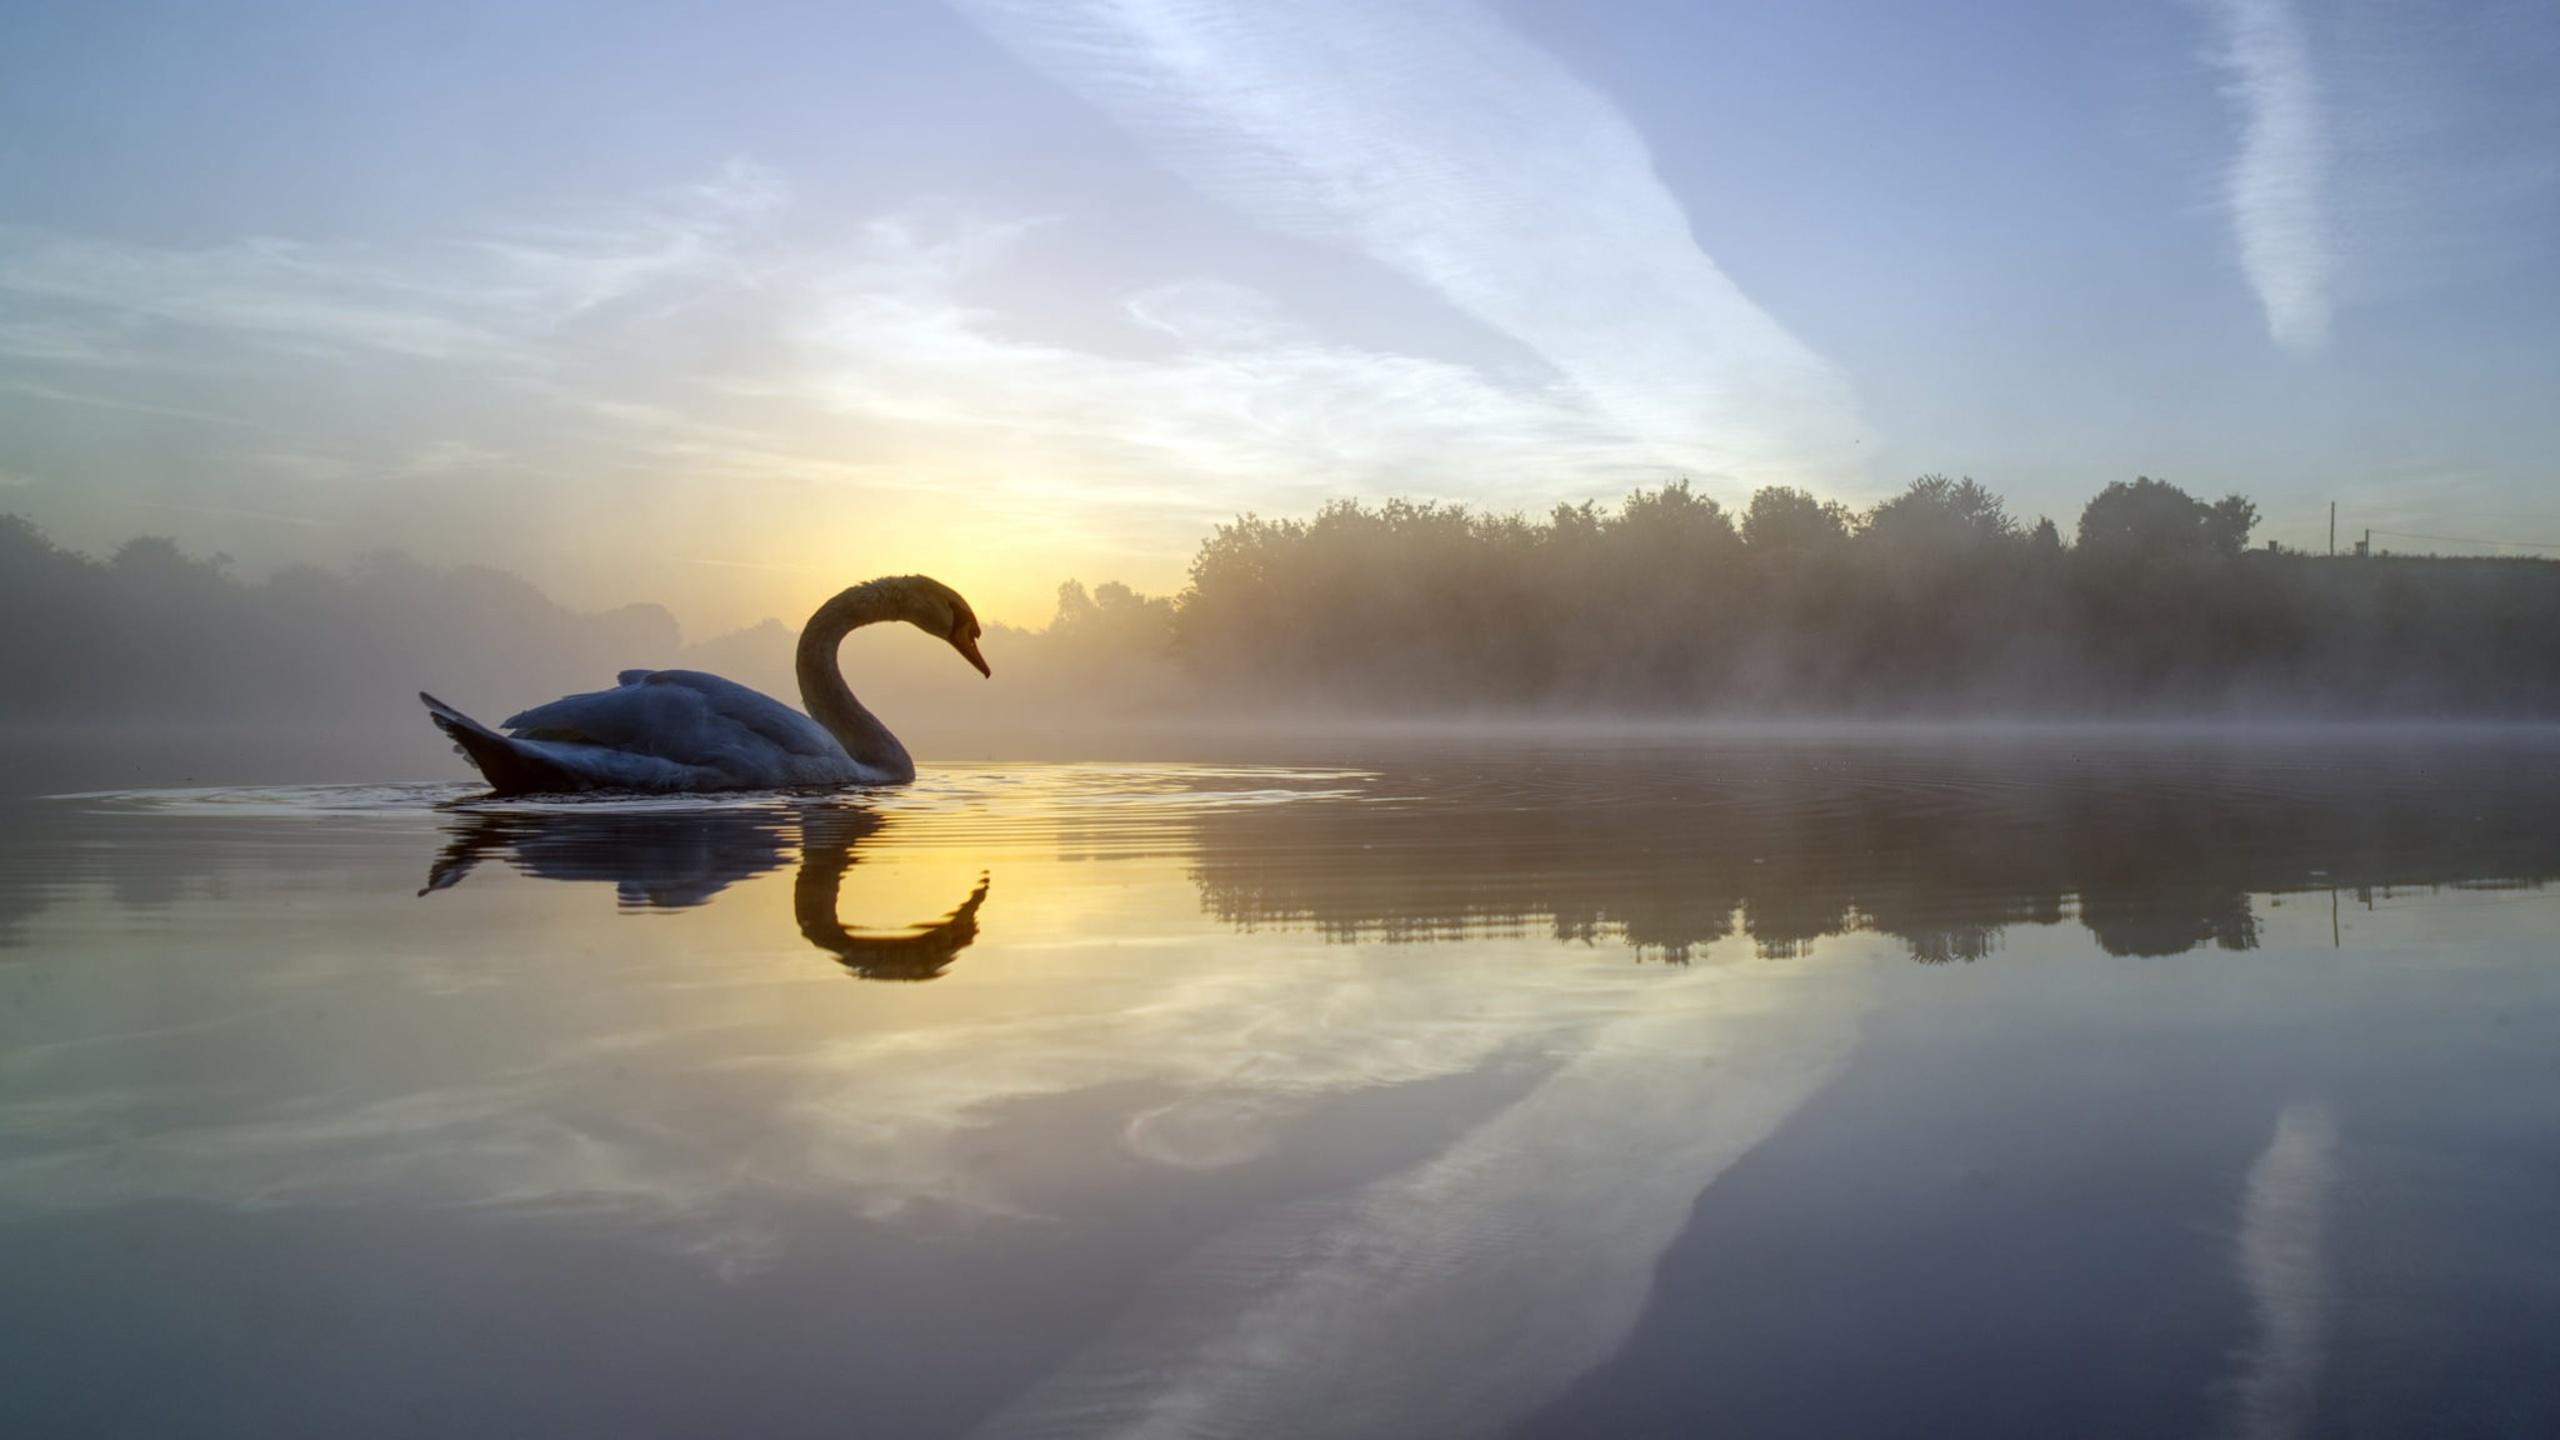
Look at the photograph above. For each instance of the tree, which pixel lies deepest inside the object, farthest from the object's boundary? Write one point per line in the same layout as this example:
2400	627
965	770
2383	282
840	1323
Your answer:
1112	618
2153	519
2228	523
1784	519
1573	524
1075	607
1937	513
1676	519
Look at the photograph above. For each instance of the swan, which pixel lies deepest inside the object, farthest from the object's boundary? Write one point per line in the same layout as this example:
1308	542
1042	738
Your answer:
683	730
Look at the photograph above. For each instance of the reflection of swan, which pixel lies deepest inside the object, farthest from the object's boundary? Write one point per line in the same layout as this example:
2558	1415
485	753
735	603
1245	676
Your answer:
677	861
684	730
662	862
922	955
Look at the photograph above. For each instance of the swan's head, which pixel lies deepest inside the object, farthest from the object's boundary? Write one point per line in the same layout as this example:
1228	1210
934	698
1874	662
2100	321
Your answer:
937	609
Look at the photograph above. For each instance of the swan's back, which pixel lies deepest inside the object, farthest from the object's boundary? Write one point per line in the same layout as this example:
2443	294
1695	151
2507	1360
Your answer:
680	715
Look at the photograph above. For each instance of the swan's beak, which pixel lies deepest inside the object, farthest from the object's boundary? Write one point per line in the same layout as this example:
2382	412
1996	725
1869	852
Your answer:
967	645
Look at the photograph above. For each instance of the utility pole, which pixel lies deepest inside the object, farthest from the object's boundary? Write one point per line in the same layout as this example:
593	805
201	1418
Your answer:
2333	529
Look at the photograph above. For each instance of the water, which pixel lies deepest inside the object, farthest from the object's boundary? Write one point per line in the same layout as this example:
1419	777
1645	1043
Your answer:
2042	1087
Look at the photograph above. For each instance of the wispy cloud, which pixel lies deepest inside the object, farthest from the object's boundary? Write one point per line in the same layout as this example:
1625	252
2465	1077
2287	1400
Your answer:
1242	404
487	299
1435	140
2276	184
58	342
56	396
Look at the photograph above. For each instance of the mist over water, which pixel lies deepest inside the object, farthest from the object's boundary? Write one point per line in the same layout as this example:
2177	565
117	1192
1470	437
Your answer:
2104	1085
1934	606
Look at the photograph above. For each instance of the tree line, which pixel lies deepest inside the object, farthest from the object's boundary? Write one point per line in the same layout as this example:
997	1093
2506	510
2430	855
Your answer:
1936	600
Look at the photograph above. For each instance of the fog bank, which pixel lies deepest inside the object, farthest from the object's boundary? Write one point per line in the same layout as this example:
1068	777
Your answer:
152	666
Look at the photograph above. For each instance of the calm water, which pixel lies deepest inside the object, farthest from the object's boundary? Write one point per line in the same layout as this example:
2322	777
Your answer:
2038	1088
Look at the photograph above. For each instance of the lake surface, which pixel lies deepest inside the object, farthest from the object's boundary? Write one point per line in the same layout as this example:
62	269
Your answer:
2043	1086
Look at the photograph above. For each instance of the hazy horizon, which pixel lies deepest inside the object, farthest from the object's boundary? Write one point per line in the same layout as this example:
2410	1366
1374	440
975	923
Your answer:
722	313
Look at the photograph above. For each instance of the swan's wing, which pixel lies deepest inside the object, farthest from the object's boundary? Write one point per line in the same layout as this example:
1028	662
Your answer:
618	717
679	714
751	710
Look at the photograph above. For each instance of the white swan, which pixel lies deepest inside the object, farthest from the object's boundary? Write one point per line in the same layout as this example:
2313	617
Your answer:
684	730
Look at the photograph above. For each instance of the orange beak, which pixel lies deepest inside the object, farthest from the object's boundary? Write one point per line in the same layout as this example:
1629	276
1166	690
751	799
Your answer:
967	645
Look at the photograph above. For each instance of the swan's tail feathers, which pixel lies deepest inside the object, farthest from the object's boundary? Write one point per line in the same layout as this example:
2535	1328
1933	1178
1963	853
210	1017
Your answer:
509	768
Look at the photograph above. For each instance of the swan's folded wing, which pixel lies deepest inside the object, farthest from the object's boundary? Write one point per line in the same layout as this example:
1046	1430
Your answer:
752	710
728	703
634	717
682	715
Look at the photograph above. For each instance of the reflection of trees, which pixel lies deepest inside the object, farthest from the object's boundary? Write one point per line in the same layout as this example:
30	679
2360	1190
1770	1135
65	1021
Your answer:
2170	921
678	860
2156	851
1965	942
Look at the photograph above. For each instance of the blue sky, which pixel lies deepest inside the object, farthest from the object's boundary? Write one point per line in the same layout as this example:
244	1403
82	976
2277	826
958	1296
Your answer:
725	308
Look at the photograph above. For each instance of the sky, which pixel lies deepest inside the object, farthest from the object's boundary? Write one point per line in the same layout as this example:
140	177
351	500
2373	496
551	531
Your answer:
726	307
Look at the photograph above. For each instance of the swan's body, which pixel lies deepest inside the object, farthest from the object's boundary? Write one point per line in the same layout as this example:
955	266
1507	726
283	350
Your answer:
683	730
666	730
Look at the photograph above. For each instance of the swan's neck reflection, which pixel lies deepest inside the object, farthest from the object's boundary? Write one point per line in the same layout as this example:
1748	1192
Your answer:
922	954
675	861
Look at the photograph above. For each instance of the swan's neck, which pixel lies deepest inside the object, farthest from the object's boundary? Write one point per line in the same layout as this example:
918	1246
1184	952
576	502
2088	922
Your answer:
829	700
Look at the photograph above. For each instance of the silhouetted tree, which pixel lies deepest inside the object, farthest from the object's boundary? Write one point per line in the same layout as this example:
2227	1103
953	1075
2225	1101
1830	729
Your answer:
1675	520
1940	514
1783	519
2227	524
1113	620
2150	518
1075	606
